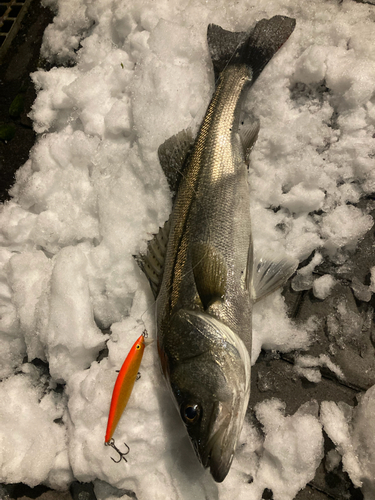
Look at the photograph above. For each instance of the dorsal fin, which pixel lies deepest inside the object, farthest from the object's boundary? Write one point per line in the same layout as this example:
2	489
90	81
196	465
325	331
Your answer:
172	156
210	273
152	263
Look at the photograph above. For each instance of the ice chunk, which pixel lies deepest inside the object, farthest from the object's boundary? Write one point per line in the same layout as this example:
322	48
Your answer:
308	367
304	280
302	198
337	425
12	344
372	284
333	459
344	227
29	275
16	225
118	120
322	286
345	327
61	38
51	100
311	65
361	291
284	337
364	442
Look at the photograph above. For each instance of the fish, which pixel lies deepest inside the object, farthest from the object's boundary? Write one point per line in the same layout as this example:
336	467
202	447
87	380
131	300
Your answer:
124	385
201	264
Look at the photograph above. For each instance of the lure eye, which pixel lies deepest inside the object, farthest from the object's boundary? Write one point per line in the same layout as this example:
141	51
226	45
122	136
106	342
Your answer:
190	413
138	346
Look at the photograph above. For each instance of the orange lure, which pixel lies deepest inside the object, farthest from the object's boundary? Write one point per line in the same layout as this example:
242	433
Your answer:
124	385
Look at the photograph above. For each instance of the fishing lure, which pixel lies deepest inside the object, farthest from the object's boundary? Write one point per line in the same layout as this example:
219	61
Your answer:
123	388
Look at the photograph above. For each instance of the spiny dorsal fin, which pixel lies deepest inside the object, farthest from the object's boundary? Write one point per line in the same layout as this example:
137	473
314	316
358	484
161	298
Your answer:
269	273
152	263
210	273
172	156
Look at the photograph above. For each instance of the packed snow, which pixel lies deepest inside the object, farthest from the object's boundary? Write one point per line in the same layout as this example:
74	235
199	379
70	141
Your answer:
353	433
129	75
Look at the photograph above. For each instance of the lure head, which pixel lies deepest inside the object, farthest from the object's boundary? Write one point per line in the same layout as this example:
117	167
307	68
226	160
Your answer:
208	369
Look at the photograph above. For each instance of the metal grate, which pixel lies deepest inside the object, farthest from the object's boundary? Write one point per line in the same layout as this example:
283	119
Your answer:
11	15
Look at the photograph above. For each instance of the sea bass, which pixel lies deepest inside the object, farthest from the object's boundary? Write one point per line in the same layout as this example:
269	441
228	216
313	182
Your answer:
200	264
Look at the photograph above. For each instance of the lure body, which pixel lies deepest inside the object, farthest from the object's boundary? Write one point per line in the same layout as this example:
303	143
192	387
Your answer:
124	385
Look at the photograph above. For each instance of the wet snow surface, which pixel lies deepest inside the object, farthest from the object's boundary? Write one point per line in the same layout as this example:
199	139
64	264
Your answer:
128	75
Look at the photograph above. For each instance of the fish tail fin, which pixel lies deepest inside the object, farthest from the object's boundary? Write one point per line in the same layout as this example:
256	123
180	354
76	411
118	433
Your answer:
254	49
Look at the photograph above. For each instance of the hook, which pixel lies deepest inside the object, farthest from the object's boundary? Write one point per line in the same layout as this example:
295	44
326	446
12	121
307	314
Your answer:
111	442
138	376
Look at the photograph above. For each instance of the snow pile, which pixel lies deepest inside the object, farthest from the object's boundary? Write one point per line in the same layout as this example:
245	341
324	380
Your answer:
92	193
292	449
353	433
33	437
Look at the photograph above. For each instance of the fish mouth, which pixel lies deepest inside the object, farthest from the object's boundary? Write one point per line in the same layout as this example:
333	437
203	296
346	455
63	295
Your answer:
219	450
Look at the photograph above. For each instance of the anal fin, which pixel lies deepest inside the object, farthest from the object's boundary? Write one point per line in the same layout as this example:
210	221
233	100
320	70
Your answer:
152	263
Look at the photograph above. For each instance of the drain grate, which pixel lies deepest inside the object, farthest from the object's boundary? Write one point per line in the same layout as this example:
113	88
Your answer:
11	15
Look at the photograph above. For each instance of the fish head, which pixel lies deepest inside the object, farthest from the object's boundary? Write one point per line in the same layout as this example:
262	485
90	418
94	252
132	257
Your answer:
208	369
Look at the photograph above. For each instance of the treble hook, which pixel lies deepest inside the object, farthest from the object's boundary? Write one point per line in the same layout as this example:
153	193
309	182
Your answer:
111	442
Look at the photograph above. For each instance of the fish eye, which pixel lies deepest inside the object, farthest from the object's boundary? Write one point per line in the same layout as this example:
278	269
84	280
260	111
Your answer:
190	413
138	346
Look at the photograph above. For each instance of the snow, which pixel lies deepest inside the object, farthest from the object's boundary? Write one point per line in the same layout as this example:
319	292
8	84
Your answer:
92	193
303	280
322	286
33	444
361	291
335	419
308	367
352	431
287	464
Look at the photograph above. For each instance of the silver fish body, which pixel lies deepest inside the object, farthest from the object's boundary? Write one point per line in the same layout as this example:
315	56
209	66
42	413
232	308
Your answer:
201	264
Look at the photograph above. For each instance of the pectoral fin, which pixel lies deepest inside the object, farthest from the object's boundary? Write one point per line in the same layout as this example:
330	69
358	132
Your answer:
210	273
270	273
152	263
